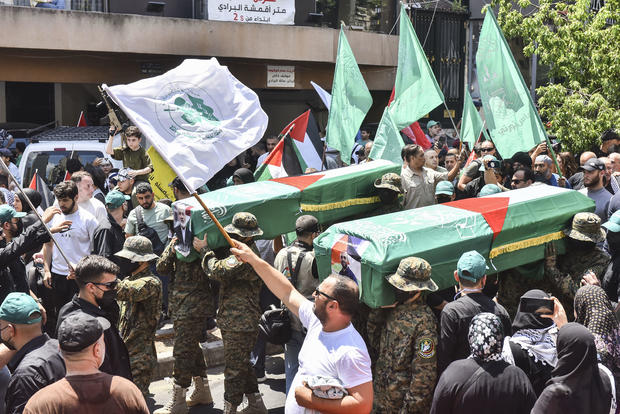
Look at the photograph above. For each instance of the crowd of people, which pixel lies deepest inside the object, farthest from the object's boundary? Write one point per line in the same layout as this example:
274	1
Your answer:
79	313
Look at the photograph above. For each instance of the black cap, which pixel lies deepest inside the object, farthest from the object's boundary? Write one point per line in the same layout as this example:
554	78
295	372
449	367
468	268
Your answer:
593	164
307	223
80	330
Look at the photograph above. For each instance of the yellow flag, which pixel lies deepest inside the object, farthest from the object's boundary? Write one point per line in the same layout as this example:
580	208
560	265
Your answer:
161	176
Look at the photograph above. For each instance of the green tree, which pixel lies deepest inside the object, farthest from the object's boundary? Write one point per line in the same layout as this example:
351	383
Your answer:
581	46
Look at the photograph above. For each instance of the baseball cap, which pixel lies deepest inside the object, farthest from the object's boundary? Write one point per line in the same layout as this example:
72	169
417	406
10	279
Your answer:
115	199
6	152
544	158
80	330
613	224
122	175
307	223
474	264
7	213
432	123
593	164
18	308
489	189
444	187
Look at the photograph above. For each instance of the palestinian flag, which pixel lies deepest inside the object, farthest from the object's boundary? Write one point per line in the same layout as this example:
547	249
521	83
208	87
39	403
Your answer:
331	195
37	184
510	229
303	149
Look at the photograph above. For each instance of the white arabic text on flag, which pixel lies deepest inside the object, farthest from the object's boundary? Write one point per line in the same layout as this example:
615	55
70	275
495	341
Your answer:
197	116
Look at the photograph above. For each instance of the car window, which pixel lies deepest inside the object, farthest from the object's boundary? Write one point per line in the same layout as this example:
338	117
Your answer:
52	165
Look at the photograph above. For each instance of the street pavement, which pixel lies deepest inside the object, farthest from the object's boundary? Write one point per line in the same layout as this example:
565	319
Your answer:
272	389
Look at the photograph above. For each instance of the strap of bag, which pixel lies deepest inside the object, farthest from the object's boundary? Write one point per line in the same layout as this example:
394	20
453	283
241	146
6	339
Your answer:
465	387
140	219
294	270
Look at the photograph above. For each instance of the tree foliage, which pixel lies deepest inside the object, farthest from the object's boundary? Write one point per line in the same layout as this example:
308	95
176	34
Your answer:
582	49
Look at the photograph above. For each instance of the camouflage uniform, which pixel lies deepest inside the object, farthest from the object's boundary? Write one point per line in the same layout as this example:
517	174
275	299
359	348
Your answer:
390	181
139	297
406	371
190	297
512	285
374	327
239	310
566	275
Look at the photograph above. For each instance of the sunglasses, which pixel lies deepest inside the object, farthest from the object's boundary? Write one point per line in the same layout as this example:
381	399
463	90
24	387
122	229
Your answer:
110	285
486	149
318	292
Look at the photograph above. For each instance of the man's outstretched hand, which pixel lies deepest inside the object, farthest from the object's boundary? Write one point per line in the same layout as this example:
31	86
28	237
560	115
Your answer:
243	253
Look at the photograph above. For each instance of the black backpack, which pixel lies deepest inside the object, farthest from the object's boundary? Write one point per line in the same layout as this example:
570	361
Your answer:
149	233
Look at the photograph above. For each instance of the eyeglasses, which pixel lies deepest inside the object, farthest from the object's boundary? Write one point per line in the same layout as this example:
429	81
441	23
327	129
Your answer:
110	285
486	149
318	292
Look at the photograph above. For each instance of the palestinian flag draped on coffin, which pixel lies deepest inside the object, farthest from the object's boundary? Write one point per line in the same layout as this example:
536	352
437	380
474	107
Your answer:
510	229
300	147
328	195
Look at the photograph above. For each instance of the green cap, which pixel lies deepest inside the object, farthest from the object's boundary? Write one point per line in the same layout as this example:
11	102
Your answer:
613	224
18	308
474	264
137	249
489	189
114	199
413	273
431	123
7	213
244	225
586	227
444	187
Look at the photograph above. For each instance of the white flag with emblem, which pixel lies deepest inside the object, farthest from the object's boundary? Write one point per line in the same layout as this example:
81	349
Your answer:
197	116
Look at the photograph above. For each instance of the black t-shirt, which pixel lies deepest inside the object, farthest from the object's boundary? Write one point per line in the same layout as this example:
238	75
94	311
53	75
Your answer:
500	388
454	326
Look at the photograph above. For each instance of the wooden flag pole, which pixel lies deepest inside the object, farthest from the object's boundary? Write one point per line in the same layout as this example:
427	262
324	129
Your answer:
21	191
215	220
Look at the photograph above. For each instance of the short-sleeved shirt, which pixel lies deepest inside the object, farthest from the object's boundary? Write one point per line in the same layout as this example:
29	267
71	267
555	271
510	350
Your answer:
153	217
88	394
135	160
77	242
341	354
601	199
420	188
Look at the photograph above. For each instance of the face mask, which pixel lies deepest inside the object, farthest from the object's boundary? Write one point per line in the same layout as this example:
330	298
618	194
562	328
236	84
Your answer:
401	296
388	196
127	266
108	297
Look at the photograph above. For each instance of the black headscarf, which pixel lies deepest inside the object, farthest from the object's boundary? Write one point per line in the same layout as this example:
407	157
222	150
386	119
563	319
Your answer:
34	196
244	175
576	383
530	320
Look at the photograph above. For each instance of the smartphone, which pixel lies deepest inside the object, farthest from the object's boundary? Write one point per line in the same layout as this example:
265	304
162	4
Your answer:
494	165
539	306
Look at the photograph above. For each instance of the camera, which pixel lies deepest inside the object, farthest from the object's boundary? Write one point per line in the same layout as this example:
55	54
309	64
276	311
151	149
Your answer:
496	165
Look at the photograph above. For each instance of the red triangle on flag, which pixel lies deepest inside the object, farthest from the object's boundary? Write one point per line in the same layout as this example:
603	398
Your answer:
493	209
301	181
340	246
33	182
299	124
82	120
67	176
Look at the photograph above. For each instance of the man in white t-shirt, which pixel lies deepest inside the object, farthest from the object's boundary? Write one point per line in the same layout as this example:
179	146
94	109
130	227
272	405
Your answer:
86	189
332	347
75	240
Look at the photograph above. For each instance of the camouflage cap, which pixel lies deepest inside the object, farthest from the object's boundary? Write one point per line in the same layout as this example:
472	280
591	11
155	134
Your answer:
586	227
391	181
244	225
137	249
413	273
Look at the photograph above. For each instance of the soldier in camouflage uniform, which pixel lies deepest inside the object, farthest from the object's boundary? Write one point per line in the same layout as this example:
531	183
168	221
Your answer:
389	190
583	262
139	296
238	315
190	296
406	371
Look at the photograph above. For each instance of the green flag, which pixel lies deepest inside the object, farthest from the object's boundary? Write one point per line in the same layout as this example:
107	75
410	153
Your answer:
416	92
471	124
388	142
509	110
351	101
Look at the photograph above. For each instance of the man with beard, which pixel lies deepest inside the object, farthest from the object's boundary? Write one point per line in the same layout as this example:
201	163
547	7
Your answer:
543	173
582	263
332	348
97	279
75	240
238	314
593	173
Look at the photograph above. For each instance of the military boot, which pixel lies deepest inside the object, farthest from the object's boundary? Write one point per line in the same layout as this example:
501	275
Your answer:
255	404
201	394
229	408
176	404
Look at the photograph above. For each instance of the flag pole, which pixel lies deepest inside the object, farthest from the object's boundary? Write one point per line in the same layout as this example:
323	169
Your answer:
323	166
21	191
452	120
215	220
